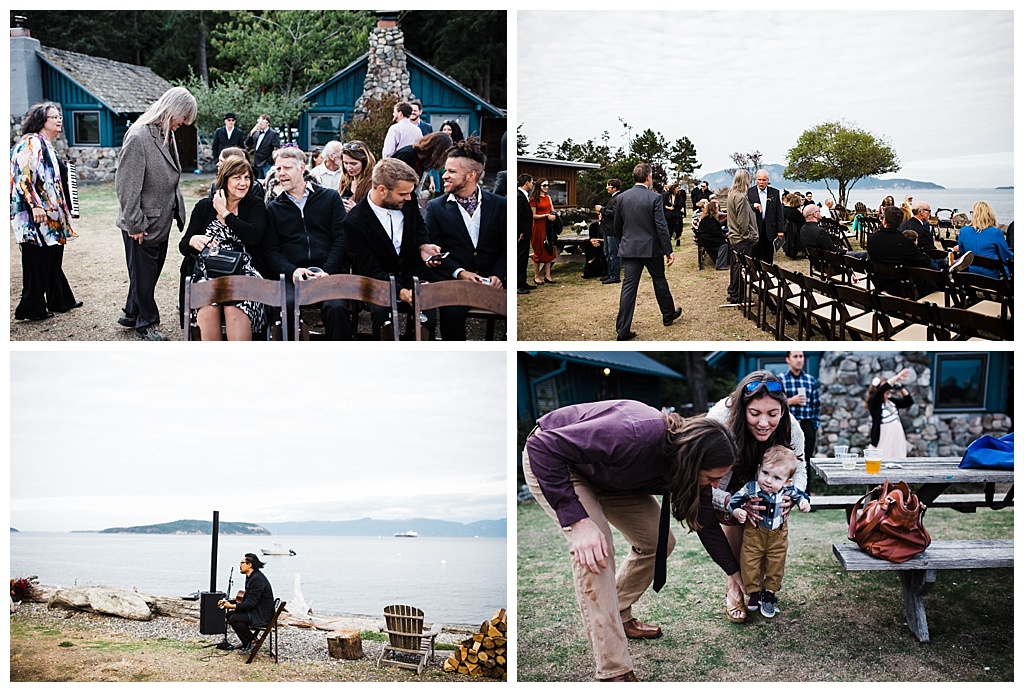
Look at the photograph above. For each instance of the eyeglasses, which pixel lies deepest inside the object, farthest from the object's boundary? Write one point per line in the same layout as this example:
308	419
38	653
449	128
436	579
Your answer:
545	185
55	117
770	385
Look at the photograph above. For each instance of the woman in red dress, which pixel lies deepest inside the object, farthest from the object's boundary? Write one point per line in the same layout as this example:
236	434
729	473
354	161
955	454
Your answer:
542	258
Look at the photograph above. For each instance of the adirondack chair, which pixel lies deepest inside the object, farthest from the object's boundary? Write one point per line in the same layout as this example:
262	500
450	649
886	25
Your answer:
406	638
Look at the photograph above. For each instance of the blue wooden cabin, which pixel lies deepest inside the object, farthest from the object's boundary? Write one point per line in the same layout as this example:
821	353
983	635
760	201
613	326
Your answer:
443	99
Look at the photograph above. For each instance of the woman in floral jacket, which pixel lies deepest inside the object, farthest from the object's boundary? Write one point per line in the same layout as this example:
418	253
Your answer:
40	217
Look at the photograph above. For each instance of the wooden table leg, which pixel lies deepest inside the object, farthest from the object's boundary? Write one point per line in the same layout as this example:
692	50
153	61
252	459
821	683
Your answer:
917	583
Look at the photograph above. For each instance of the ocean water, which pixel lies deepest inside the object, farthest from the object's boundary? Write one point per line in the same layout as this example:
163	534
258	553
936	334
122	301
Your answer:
452	580
962	199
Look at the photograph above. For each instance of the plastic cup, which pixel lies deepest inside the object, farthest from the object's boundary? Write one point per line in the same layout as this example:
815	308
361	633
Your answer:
849	461
872	460
840	449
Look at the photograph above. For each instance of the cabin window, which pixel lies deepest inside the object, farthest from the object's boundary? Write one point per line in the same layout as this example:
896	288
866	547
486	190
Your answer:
86	130
960	381
558	191
325	127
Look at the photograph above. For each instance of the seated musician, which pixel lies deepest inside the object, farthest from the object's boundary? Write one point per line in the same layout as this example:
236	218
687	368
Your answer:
255	609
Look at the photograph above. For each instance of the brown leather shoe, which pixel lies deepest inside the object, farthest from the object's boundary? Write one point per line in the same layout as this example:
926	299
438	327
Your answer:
625	677
638	630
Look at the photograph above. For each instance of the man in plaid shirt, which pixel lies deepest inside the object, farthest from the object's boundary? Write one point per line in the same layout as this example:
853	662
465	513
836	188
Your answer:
805	407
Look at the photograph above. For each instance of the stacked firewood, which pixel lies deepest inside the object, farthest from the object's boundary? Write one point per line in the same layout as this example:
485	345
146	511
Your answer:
483	654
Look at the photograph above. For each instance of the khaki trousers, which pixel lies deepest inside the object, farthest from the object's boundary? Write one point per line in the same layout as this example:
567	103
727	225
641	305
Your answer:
606	599
761	546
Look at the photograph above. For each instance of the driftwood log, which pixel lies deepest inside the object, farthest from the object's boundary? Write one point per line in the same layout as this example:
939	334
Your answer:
346	644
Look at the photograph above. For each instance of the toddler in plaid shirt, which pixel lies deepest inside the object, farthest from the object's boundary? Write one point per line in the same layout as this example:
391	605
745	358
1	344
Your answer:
767	538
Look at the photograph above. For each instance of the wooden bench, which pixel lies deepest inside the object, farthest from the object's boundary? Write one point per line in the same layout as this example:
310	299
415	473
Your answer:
917	575
966	503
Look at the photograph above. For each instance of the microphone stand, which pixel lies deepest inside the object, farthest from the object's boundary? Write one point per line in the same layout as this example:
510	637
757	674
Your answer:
223	644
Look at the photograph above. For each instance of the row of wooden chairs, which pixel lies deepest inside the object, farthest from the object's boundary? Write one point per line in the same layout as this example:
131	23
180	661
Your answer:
485	301
794	306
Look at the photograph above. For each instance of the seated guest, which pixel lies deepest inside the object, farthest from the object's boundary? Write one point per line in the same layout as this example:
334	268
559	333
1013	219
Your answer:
794	216
235	220
711	236
328	173
470	224
984	238
271	188
889	246
698	210
426	155
304	238
594	264
918	222
255	189
386	235
357	162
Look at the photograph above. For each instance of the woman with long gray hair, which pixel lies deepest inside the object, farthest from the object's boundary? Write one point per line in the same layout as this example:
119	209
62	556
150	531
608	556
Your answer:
742	233
149	200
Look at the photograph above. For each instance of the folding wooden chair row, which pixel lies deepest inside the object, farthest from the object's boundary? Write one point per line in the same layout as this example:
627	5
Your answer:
227	289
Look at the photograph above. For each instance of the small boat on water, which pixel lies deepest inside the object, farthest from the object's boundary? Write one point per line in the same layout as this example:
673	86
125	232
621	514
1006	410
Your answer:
407	534
276	550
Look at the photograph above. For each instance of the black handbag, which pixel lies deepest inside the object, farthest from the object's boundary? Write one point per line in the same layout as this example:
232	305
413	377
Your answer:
221	263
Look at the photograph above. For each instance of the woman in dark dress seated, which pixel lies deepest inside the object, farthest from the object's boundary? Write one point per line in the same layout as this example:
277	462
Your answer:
711	236
232	220
595	265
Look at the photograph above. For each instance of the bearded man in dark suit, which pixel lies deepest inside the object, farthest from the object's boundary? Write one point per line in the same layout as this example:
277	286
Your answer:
386	235
770	223
640	222
470	224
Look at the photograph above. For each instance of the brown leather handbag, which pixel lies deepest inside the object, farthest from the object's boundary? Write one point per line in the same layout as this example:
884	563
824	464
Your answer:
886	523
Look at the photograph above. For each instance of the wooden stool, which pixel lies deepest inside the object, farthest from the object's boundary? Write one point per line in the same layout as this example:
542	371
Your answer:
346	644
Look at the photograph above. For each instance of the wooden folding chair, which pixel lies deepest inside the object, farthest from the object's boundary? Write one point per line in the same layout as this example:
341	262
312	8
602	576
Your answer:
404	626
902	319
439	294
820	307
859	319
343	287
974	326
268	630
790	302
225	289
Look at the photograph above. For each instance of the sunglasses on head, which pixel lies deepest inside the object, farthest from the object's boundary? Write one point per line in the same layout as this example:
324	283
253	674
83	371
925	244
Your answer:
770	385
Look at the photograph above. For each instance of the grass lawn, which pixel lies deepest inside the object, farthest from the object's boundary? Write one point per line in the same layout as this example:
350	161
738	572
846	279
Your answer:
578	309
834	625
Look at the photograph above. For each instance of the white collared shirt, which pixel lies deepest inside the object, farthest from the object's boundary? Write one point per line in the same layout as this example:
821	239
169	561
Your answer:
472	222
763	195
393	222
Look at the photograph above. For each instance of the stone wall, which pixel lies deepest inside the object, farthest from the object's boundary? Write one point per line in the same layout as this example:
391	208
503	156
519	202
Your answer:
386	69
844	378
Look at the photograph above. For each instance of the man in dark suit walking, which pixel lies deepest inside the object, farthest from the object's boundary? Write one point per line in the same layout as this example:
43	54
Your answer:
264	141
640	221
524	224
469	224
227	136
767	202
386	235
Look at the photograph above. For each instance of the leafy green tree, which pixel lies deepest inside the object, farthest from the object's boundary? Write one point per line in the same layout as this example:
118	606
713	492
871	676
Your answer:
522	144
291	51
683	156
840	152
374	127
231	93
650	146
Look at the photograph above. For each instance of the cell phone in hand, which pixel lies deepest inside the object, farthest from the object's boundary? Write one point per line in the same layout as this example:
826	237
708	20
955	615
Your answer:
437	257
484	280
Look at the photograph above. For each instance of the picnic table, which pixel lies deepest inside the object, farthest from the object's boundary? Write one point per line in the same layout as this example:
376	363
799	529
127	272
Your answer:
934	475
570	246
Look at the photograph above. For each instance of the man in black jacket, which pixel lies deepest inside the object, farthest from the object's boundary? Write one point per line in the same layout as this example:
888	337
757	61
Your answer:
922	211
889	246
524	224
470	224
227	136
611	236
767	202
264	141
386	236
256	609
304	239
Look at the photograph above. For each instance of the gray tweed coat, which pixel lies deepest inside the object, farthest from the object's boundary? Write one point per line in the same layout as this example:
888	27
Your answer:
147	181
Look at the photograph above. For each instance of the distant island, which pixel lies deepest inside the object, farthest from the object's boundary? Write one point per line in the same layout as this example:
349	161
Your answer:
195	527
425	528
14	530
723	178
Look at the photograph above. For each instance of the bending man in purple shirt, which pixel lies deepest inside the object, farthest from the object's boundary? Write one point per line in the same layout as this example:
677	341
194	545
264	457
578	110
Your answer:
595	465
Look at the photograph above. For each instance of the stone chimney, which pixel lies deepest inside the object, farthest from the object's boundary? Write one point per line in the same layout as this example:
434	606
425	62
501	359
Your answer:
386	71
26	73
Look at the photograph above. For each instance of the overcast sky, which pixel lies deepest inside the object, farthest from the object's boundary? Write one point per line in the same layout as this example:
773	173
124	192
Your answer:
101	439
938	85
